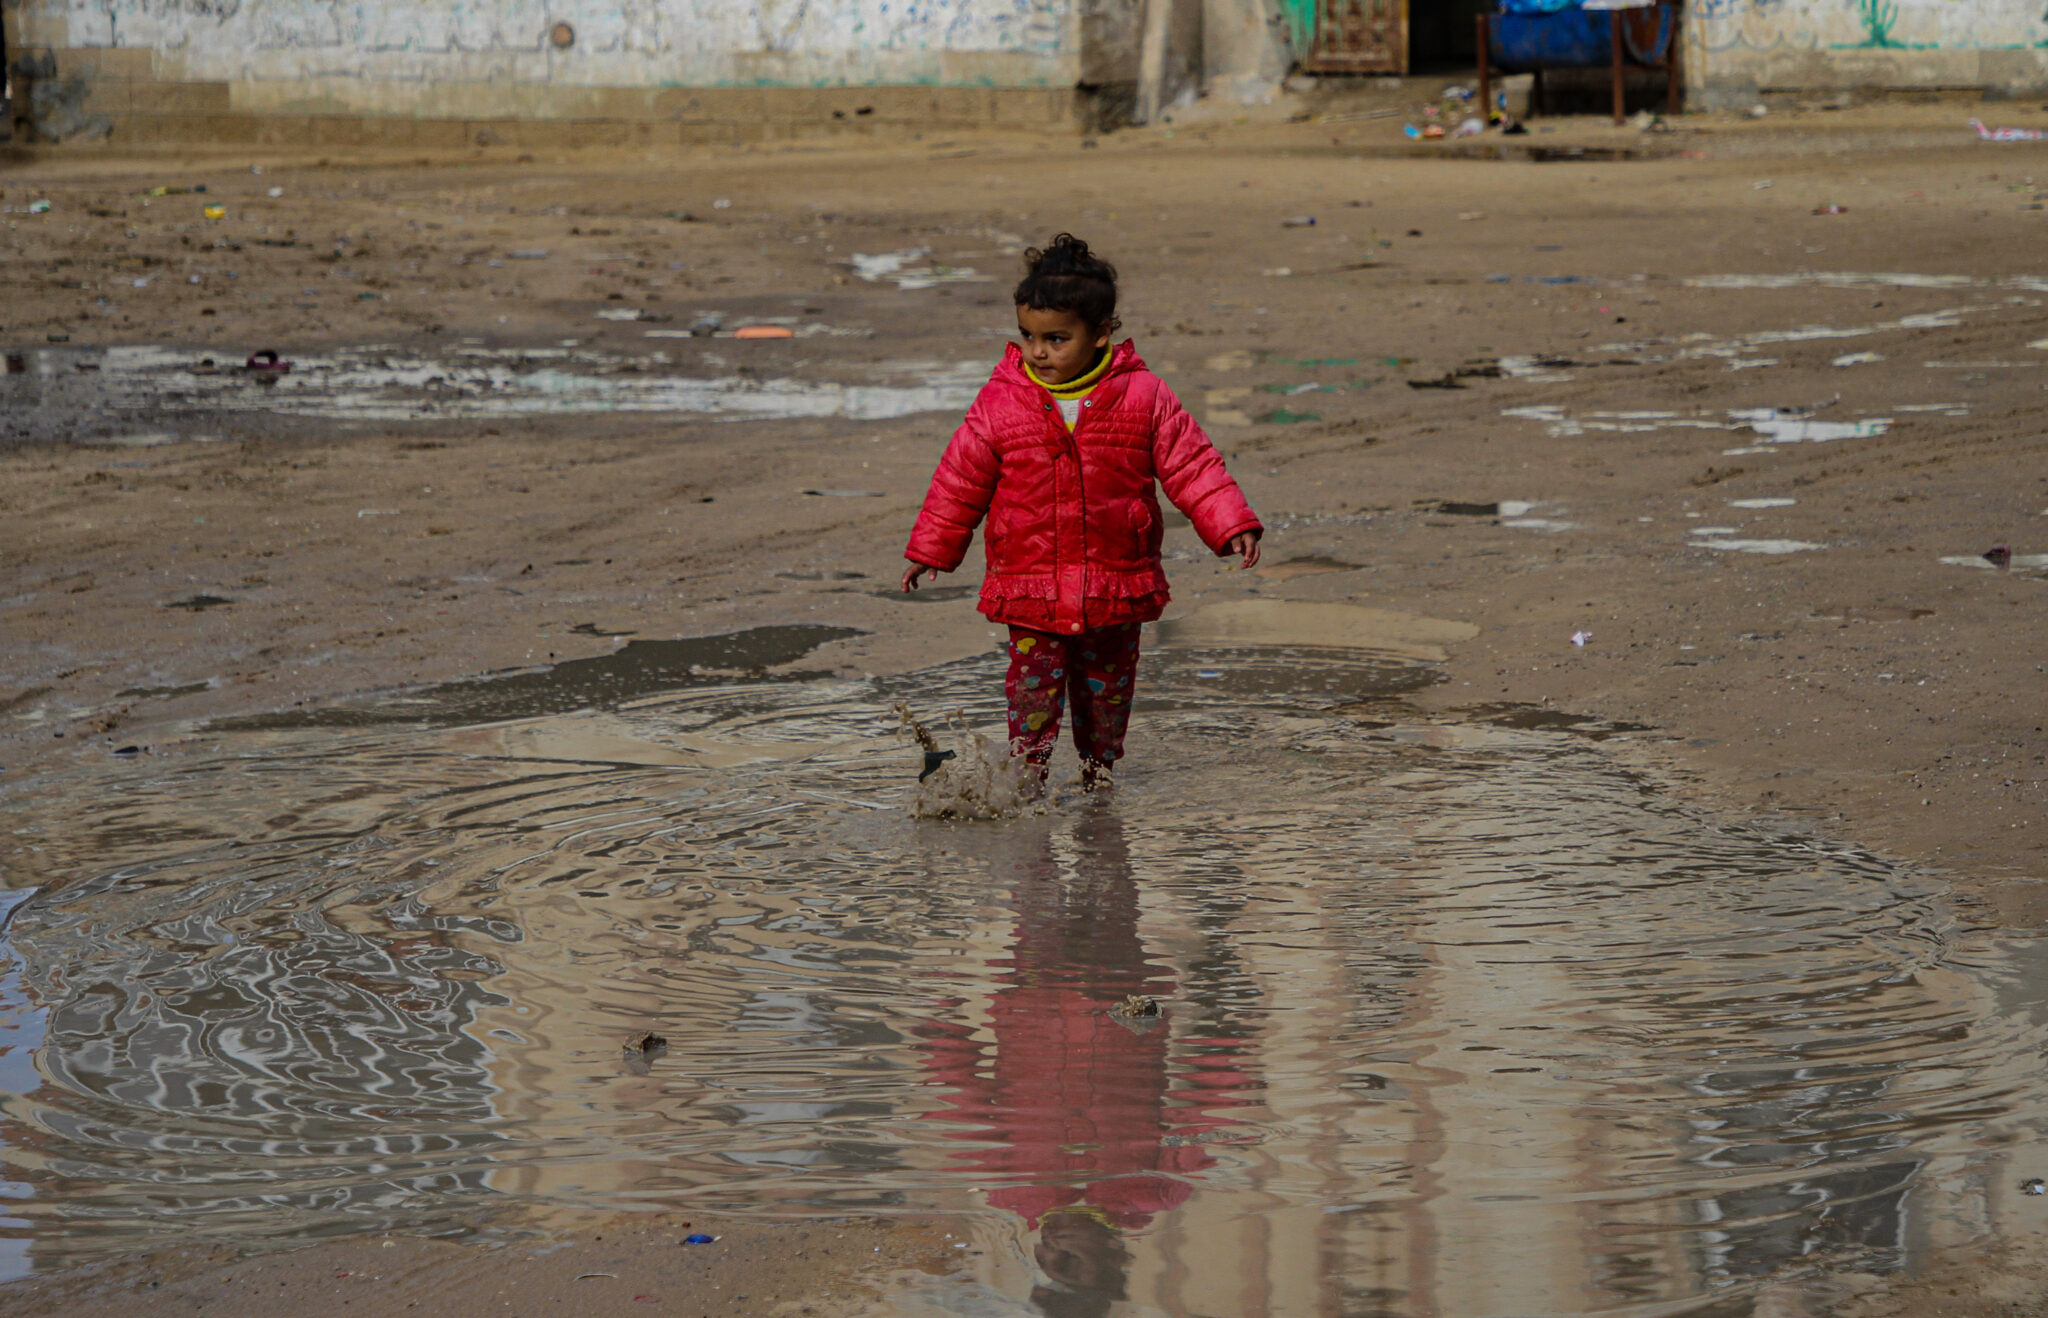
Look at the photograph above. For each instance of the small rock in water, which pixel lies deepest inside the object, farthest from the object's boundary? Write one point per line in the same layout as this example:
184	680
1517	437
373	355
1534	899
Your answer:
643	1050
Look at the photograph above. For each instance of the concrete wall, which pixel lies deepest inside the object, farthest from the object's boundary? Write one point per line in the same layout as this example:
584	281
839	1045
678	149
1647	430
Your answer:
1740	48
371	52
147	70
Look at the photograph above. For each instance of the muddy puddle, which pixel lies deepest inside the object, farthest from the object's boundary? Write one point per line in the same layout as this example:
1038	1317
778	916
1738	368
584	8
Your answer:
1331	1008
117	395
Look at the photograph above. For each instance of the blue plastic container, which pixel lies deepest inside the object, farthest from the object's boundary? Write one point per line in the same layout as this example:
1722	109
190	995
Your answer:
1575	38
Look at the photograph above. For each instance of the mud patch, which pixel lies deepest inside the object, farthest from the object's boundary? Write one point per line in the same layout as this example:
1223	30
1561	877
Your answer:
635	669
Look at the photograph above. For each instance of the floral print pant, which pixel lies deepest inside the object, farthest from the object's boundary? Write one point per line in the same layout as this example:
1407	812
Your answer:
1097	670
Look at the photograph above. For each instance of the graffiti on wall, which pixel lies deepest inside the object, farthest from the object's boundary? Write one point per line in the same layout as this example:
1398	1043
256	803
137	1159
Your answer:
619	42
1904	25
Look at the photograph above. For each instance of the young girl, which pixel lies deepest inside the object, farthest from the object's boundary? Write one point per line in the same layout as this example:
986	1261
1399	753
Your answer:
1060	452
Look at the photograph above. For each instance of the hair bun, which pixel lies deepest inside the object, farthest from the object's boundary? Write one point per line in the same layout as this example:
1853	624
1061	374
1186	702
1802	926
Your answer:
1064	275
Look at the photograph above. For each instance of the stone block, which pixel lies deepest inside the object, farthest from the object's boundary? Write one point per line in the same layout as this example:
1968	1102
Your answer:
440	134
177	97
219	129
965	106
903	105
108	62
724	105
1051	108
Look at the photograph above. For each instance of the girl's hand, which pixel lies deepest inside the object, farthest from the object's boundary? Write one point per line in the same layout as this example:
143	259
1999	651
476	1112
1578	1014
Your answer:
914	571
1246	543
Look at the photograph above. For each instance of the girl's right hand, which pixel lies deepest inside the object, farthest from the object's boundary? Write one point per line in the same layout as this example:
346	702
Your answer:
914	571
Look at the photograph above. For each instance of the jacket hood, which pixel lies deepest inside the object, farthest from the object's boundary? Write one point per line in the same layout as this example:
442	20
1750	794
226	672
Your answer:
1123	359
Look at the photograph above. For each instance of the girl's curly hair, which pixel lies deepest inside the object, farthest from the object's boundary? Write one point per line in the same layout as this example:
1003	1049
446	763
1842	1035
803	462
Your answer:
1065	276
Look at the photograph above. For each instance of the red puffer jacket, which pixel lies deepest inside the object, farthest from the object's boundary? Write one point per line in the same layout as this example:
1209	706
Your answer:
1073	523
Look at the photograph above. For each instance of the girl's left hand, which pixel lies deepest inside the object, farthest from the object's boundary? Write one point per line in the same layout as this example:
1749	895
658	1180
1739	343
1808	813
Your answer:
1246	543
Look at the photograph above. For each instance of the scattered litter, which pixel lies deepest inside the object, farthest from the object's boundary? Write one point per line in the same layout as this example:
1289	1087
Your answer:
586	1276
2034	1185
699	1238
1830	208
1448	380
1277	271
1751	363
843	494
1999	556
1755	546
163	190
1859	359
722	204
1471	127
1455	509
1761	184
266	365
764	332
2007	134
1433	131
1299	222
1536	369
1580	638
275	193
529	254
1411	130
39	208
622	313
214	212
2023	564
1282	416
1787	428
1762	503
905	271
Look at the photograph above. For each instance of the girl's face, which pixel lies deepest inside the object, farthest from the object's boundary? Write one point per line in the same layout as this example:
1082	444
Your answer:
1058	344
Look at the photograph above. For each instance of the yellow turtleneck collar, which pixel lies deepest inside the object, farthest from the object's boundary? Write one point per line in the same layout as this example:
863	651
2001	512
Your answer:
1080	385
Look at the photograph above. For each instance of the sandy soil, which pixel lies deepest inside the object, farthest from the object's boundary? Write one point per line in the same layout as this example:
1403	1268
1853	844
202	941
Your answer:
1864	686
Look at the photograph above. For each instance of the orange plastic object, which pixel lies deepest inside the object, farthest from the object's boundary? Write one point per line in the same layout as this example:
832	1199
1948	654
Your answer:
763	332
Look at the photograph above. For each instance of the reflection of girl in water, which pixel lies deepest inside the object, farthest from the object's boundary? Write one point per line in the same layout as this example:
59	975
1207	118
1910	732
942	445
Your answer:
1089	1142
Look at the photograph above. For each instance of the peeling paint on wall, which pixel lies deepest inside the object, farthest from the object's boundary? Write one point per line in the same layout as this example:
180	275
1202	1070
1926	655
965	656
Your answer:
1736	48
624	43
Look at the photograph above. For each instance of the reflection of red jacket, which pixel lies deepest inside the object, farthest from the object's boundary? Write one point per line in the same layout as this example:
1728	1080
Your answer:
1070	1106
1073	524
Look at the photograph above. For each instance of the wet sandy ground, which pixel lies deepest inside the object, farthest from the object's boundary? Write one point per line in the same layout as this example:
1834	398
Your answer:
1861	688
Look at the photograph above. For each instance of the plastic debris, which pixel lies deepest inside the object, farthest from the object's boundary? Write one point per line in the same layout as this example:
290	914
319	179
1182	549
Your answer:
722	204
1411	130
267	366
1299	222
699	1238
215	212
1830	208
1434	130
1580	638
1999	556
1471	127
2008	134
275	192
2034	1185
529	254
764	332
39	208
